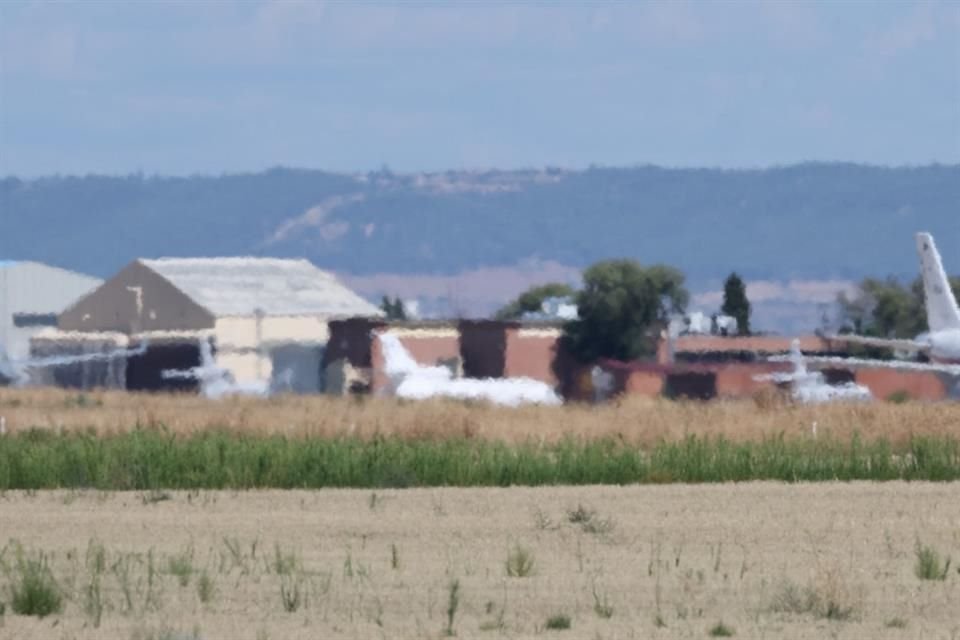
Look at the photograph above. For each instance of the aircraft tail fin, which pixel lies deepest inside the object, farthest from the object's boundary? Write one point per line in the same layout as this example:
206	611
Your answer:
942	311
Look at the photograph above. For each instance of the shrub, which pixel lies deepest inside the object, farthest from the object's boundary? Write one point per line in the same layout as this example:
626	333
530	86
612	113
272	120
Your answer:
602	606
928	564
290	594
580	515
283	563
453	603
898	397
35	591
828	598
559	621
520	562
721	630
181	566
589	522
205	588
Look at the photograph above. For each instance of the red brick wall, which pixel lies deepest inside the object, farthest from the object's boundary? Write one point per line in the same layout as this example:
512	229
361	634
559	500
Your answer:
533	353
644	383
649	379
737	380
767	344
921	385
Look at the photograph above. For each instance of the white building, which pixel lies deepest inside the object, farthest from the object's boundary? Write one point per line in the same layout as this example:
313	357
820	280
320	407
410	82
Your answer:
699	323
562	308
32	295
267	318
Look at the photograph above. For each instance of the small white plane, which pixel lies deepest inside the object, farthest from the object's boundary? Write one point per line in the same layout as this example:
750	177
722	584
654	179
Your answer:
413	381
216	381
941	344
811	387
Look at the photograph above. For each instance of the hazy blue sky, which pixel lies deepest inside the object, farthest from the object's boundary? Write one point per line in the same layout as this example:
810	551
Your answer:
232	86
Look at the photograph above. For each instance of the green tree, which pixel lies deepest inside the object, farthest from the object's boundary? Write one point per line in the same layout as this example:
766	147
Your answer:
622	308
668	283
393	309
736	304
532	299
887	308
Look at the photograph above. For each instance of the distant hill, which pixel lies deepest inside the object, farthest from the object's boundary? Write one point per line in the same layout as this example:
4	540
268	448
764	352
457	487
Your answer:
809	221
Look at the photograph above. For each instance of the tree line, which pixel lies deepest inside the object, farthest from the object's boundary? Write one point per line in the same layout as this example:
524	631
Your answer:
886	308
623	307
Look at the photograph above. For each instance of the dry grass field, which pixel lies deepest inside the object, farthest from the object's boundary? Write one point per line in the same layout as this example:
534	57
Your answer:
752	560
632	420
757	560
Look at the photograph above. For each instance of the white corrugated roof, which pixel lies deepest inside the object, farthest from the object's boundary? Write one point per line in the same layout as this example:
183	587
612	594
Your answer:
240	286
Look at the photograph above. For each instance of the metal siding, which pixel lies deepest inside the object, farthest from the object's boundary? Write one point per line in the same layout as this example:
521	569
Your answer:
32	287
296	368
241	286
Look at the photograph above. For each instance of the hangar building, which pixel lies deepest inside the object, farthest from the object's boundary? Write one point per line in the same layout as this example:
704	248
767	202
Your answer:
266	317
32	295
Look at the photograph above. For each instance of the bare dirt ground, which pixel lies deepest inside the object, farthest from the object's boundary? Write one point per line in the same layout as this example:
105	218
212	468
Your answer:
766	560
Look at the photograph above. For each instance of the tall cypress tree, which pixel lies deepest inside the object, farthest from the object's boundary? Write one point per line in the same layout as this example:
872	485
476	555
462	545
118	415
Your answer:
393	309
735	303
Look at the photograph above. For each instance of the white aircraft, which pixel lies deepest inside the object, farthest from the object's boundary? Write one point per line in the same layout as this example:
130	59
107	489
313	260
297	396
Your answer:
942	342
810	387
417	382
215	381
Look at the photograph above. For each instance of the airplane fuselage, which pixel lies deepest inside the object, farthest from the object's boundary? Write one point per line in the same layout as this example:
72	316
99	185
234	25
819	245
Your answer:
945	346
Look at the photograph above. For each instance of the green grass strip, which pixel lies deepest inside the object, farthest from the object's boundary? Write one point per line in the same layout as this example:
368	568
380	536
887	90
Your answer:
153	459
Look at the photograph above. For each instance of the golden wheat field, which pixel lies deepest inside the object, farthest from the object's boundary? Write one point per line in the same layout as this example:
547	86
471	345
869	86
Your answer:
633	420
758	560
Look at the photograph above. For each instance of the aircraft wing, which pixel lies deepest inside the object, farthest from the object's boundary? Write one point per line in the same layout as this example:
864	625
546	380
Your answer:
836	361
889	343
54	361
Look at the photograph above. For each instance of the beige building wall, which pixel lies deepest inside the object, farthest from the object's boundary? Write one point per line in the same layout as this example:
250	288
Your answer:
233	333
244	348
246	367
301	329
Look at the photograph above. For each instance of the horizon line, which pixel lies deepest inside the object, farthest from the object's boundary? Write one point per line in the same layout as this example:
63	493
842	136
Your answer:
386	170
